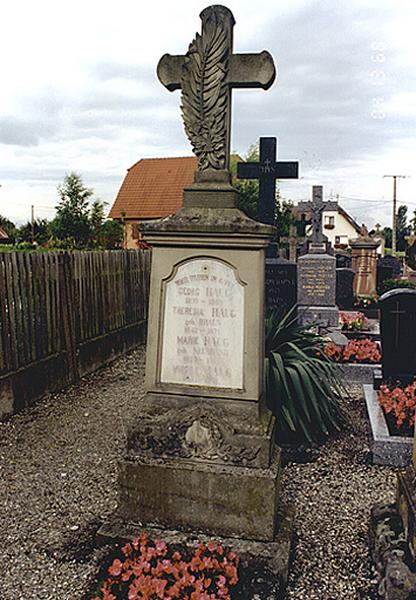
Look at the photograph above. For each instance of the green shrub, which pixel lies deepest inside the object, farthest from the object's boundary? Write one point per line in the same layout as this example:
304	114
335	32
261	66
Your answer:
394	284
302	385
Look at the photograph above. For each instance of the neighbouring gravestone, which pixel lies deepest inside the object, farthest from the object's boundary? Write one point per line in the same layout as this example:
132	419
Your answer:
317	274
345	289
398	327
281	283
201	458
393	262
384	272
364	263
344	261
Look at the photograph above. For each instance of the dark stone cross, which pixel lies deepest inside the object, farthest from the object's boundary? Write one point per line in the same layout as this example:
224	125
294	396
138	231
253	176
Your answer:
267	171
317	210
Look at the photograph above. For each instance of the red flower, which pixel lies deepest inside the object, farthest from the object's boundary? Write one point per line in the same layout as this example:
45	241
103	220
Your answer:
152	570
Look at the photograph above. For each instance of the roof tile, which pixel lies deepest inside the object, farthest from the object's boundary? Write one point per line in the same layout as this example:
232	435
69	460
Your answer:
153	188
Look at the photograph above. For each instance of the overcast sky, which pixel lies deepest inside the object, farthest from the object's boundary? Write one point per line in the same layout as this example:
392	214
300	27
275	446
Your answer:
79	93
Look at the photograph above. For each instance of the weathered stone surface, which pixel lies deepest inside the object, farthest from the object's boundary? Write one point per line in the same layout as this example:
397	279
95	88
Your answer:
206	91
206	219
223	431
232	501
390	554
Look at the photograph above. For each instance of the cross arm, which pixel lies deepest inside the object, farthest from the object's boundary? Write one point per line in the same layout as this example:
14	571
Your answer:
246	70
248	170
278	170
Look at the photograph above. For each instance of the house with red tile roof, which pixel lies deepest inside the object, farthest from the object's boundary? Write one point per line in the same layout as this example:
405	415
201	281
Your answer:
4	237
152	188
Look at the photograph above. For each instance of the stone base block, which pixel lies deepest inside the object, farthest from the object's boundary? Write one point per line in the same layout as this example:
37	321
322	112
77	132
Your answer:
406	504
264	566
220	500
324	316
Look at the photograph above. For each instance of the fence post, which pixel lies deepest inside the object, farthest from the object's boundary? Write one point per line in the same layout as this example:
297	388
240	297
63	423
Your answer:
67	300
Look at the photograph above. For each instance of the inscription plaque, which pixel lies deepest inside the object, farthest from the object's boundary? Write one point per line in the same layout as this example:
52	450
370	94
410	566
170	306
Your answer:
316	280
203	326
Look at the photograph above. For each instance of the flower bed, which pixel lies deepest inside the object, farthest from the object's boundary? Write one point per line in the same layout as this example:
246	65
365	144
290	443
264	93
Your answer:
398	404
387	449
357	360
353	321
361	351
146	569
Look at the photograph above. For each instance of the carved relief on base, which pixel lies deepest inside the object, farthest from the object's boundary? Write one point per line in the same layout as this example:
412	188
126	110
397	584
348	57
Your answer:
202	433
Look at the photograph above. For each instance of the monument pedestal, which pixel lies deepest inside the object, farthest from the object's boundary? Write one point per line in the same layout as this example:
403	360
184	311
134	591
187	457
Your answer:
201	459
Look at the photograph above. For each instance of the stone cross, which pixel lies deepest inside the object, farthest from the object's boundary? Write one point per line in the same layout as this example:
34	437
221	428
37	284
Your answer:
206	75
267	171
317	210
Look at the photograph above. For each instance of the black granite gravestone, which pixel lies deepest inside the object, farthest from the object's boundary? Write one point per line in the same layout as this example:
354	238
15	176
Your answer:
344	297
383	272
344	261
281	283
398	327
393	262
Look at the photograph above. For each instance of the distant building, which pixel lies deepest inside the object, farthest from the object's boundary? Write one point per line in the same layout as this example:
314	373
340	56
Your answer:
337	224
152	189
4	237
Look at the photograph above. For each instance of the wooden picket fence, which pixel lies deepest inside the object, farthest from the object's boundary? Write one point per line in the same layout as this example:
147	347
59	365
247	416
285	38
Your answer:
65	314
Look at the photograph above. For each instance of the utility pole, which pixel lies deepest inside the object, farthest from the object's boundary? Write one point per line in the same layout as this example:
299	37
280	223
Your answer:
394	224
32	221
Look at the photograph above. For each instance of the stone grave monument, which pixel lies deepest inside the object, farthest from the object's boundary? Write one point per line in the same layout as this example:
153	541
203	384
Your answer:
345	289
281	283
364	263
317	274
344	261
201	459
383	272
281	274
393	262
398	327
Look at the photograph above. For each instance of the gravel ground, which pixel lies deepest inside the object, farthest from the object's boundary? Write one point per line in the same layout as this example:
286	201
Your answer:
332	497
58	473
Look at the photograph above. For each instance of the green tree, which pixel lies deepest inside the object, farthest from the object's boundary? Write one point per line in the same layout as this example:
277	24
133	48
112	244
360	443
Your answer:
72	221
402	228
97	220
111	234
9	227
387	234
41	232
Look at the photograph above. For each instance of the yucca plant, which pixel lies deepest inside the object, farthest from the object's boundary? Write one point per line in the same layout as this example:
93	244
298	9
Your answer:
302	385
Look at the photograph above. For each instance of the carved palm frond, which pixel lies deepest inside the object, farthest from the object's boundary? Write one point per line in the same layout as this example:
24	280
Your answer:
205	94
